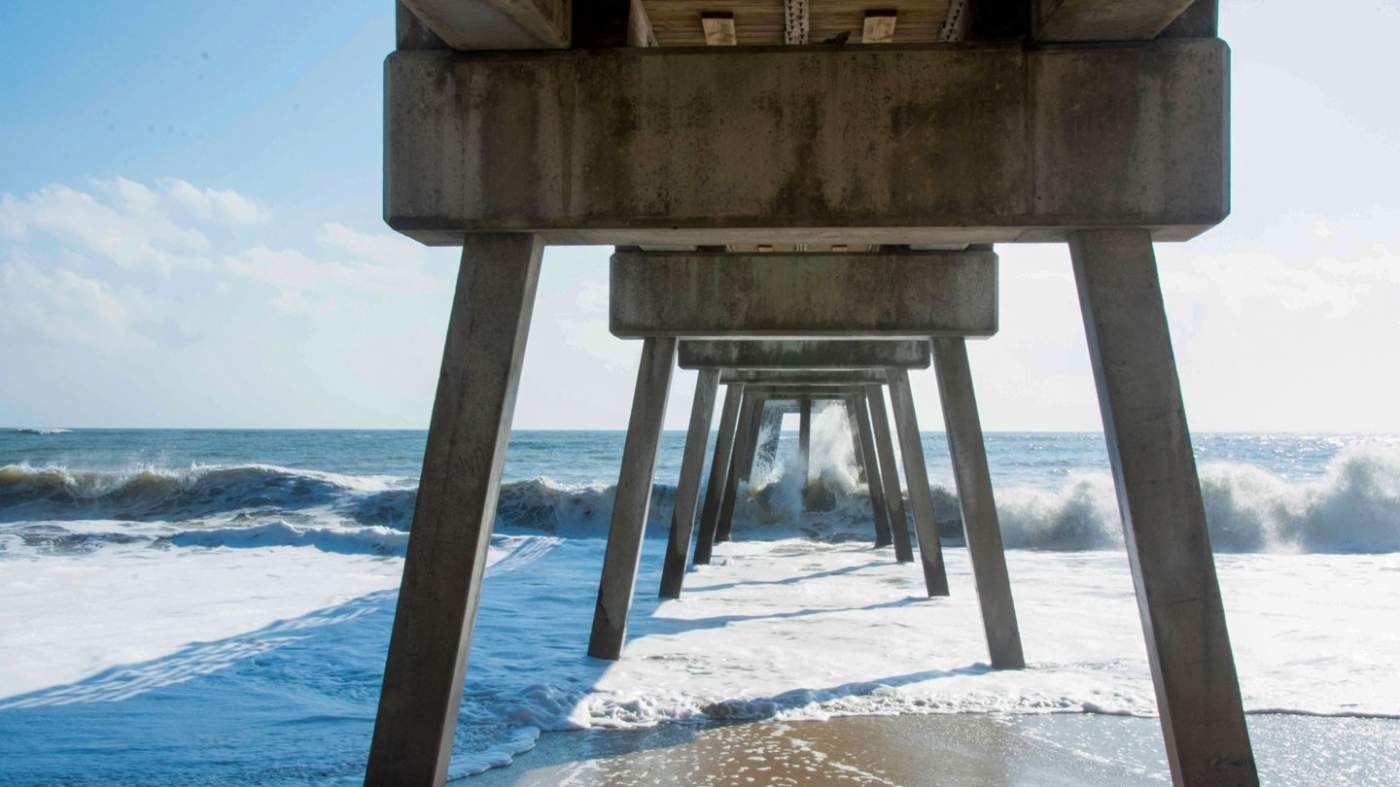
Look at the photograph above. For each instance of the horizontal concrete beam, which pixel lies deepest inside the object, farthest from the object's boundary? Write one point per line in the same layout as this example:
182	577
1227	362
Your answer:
1103	20
794	392
496	24
802	376
718	295
817	354
898	144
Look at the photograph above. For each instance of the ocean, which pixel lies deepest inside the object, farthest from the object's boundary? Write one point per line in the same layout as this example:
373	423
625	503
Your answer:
199	606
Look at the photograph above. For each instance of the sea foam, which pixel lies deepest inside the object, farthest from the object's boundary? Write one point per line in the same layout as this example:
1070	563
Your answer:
1354	506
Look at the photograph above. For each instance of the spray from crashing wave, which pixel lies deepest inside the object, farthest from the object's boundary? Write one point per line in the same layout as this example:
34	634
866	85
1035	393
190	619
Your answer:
1353	507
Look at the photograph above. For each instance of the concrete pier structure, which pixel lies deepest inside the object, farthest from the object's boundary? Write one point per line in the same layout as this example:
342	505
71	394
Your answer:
715	490
806	192
688	488
632	499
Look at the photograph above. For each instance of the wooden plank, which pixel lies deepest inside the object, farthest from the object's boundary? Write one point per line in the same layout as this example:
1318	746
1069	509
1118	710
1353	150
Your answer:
764	22
1103	20
719	28
879	26
496	24
639	31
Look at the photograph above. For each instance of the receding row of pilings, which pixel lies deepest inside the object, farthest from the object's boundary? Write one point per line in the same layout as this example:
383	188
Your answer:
664	297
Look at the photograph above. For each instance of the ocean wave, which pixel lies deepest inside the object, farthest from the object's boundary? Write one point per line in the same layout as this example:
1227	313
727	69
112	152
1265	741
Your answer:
1353	507
42	430
356	541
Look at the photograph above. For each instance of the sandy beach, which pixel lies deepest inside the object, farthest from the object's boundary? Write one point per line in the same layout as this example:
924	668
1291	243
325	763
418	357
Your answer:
951	749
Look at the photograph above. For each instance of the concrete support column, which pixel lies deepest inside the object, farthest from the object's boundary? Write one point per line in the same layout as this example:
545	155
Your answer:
979	511
455	510
906	424
632	499
804	440
889	474
1159	498
855	405
741	466
715	490
854	428
688	488
770	430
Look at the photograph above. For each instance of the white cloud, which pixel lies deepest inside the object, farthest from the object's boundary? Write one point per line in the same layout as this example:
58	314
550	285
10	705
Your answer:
125	222
380	247
63	306
227	206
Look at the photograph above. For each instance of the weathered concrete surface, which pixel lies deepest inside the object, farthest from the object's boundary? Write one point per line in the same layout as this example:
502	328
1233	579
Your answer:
979	509
813	354
889	474
1103	20
809	145
703	294
874	473
906	425
496	24
741	465
769	432
1159	497
456	507
632	499
717	487
688	487
784	392
804	439
803	376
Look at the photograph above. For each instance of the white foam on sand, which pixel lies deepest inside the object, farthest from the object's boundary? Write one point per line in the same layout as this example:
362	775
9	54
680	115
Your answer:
780	628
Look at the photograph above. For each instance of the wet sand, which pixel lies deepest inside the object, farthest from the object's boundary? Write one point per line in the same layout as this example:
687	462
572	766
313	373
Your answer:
953	749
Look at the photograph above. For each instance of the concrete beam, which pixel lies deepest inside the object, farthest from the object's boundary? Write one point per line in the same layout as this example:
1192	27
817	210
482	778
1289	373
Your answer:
741	463
979	510
455	510
911	449
817	354
704	294
496	24
865	442
632	500
802	376
1159	499
688	487
889	474
820	145
772	391
716	489
1103	20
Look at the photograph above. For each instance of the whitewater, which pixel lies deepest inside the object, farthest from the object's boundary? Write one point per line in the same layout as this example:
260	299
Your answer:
225	598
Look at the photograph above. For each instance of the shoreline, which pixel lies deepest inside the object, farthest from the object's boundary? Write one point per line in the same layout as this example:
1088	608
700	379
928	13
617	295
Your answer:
945	749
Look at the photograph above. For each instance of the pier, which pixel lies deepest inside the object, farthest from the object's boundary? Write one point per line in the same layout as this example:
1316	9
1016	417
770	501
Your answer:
804	201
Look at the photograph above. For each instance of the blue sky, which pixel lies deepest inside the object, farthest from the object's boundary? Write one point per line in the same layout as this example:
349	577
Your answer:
190	235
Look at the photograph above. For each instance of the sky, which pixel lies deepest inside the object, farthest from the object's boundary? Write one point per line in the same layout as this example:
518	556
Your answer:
190	236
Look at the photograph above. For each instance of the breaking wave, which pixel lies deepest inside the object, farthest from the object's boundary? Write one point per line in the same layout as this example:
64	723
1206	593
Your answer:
1353	507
